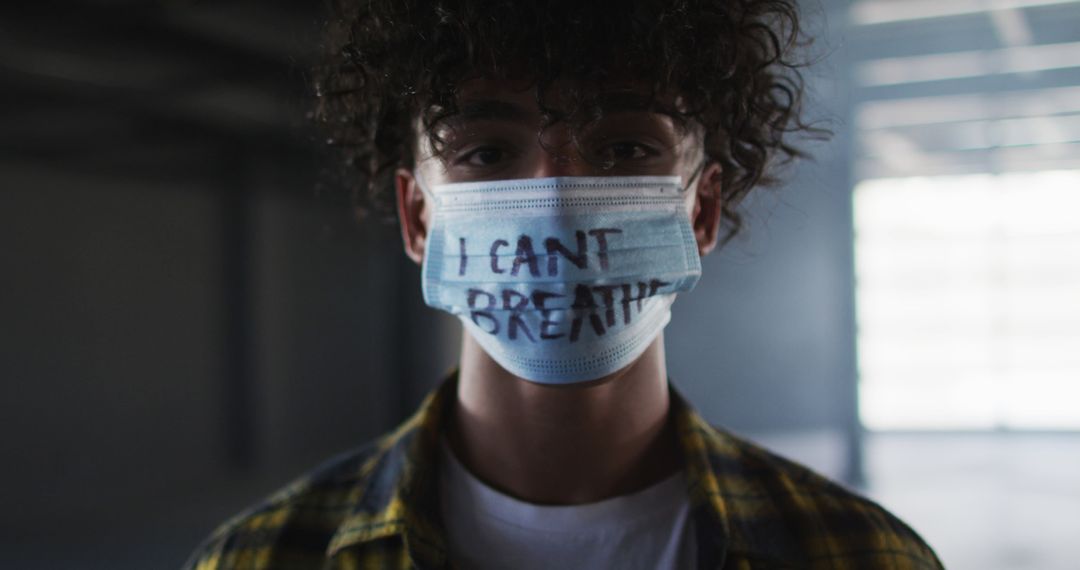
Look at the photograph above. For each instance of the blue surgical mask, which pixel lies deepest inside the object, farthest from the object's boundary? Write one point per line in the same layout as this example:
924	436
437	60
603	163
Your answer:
560	280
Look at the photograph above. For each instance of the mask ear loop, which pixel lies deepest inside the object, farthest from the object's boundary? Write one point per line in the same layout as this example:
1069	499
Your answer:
697	172
423	187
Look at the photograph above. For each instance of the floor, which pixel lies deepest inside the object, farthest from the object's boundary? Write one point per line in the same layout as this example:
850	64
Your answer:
984	502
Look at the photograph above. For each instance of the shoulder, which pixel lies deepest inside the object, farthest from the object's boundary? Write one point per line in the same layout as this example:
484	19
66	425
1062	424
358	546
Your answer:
775	503
294	526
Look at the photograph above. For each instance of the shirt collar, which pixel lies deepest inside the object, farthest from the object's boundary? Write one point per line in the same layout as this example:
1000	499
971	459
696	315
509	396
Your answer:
735	512
397	490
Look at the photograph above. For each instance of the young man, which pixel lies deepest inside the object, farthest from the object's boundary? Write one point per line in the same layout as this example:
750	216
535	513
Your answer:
558	170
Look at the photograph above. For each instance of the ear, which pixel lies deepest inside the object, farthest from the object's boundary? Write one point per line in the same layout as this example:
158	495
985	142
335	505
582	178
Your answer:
413	214
705	217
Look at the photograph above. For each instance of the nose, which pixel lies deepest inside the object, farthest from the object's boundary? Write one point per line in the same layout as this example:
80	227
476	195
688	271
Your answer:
559	156
555	162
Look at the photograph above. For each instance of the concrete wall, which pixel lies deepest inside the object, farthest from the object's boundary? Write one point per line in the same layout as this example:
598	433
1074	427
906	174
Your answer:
118	352
765	344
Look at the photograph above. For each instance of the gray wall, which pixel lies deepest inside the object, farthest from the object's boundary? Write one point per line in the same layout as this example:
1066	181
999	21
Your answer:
765	345
765	340
111	354
118	342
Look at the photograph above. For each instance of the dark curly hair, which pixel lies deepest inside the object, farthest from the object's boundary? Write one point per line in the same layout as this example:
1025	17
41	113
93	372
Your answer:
731	62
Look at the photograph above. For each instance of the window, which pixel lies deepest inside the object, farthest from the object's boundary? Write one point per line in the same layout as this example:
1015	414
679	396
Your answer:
967	213
969	301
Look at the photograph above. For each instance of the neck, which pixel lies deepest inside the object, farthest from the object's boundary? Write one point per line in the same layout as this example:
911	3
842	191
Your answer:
569	444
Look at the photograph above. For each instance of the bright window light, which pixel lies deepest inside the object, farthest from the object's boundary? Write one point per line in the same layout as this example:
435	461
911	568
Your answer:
968	299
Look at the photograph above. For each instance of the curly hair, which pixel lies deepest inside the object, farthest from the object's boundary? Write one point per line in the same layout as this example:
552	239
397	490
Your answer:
731	63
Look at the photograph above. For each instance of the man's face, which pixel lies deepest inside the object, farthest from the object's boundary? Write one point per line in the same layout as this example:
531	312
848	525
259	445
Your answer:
499	134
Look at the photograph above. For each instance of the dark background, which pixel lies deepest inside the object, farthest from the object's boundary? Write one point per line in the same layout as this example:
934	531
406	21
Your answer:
190	314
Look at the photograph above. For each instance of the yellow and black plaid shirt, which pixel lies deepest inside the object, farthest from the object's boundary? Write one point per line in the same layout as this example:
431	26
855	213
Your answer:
377	508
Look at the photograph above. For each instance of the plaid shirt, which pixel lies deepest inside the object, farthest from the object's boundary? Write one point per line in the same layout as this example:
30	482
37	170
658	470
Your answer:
377	508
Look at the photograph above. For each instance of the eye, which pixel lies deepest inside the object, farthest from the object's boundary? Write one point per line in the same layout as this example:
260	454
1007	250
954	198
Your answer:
626	151
483	156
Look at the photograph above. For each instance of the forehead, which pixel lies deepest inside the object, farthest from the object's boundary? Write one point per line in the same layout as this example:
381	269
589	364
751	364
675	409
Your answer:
522	100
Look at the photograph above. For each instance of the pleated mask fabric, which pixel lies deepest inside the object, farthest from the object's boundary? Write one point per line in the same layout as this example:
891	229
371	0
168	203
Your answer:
560	280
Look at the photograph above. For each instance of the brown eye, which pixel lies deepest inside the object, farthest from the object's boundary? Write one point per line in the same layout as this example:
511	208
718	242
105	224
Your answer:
484	156
624	151
627	150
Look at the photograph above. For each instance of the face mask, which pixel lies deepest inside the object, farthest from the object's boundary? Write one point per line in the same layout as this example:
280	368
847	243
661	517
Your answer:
560	280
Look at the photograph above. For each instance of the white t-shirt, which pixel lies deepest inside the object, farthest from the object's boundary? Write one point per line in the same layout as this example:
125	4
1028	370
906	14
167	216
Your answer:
486	529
